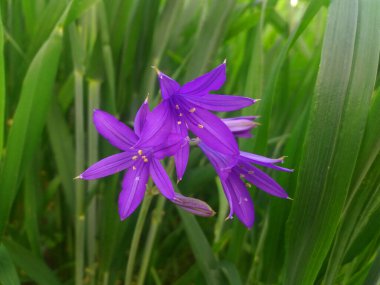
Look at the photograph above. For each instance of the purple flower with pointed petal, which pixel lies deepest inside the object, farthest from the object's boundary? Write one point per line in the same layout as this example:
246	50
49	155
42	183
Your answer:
189	107
141	153
241	126
235	189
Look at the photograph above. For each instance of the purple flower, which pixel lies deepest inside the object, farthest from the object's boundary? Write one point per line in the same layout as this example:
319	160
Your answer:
232	179
241	126
141	153
189	106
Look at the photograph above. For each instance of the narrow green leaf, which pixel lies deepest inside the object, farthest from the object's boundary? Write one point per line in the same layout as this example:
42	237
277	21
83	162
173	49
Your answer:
202	251
29	120
62	144
210	36
34	267
2	88
8	274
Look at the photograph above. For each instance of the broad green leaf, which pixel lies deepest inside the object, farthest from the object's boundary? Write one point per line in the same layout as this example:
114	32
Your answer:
8	274
29	120
333	138
33	266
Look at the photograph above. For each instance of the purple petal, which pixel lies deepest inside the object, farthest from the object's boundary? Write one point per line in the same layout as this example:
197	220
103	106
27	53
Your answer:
161	179
156	127
181	158
210	81
239	199
240	126
117	133
169	147
262	181
168	86
194	206
220	103
212	131
221	162
133	189
107	166
140	118
263	161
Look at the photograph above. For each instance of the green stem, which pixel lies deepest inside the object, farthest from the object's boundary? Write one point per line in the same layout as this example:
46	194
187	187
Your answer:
154	224
93	103
79	186
136	239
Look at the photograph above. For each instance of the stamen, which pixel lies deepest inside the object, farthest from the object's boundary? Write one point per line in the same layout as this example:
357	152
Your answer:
248	185
145	160
180	114
140	152
192	110
143	157
134	157
134	167
179	122
177	106
242	175
200	126
250	172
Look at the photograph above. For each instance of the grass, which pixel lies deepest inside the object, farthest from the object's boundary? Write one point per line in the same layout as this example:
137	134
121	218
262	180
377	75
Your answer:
315	67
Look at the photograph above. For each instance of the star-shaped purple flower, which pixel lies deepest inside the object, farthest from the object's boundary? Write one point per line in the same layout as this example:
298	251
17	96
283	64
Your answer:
141	153
232	178
188	108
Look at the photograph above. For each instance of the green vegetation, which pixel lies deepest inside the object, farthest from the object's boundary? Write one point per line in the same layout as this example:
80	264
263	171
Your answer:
314	65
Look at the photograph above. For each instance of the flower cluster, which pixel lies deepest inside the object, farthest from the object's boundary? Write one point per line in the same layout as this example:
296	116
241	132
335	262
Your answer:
164	132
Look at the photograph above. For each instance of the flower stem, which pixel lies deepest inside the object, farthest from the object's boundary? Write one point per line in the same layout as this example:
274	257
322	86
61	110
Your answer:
136	239
155	223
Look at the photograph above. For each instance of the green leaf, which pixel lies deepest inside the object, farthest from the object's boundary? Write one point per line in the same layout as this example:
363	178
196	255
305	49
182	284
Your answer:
2	88
29	120
335	130
202	251
8	274
34	267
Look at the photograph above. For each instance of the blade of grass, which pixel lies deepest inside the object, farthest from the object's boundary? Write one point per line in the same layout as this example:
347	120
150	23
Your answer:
2	88
8	273
202	251
330	146
365	67
33	266
62	144
210	36
29	120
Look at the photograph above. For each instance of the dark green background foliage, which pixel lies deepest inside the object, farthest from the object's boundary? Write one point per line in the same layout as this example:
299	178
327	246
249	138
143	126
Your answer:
315	67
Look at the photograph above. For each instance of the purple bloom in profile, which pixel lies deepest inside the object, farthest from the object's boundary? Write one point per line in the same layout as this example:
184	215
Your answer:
141	153
188	108
232	179
241	126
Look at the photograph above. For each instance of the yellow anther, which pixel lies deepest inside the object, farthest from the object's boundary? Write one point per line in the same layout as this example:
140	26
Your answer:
140	152
145	160
250	172
248	185
242	175
200	126
192	110
179	122
134	167
134	157
180	114
143	157
177	107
